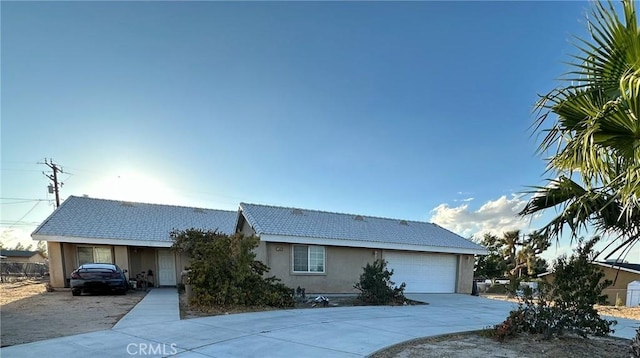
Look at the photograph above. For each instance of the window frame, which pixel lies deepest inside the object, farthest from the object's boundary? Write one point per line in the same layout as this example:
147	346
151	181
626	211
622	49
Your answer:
309	259
93	253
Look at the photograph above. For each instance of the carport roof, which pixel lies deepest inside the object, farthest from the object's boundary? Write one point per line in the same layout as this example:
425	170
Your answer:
355	229
128	222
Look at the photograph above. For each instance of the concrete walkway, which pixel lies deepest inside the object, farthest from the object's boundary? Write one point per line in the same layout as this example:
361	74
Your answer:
158	306
153	328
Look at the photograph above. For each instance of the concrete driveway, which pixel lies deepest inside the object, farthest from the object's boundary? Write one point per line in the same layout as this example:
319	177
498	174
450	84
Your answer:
152	329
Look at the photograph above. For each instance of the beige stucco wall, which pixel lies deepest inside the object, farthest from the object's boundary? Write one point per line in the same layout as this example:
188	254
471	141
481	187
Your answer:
261	253
121	258
246	229
70	259
464	281
343	266
56	275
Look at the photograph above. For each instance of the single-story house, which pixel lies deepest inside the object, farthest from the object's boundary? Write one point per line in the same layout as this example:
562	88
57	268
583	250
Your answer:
134	236
621	274
21	263
323	252
22	256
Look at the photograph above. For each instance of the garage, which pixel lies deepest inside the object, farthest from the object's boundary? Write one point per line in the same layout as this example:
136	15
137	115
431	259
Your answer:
422	272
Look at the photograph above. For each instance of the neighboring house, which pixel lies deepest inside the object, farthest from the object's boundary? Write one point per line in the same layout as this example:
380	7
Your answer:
22	256
135	236
621	274
325	252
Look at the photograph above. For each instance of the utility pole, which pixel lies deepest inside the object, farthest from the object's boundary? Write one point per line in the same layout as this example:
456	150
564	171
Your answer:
55	187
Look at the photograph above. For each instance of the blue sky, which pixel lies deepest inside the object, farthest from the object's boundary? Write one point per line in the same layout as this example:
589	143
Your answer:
414	110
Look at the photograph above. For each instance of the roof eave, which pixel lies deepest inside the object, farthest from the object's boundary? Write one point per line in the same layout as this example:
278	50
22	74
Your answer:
370	244
615	267
102	241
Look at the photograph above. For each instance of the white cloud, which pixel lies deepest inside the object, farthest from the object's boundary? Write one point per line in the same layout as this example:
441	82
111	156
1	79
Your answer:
495	216
501	215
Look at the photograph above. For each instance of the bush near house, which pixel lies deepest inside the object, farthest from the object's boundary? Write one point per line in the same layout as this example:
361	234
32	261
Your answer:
634	348
376	287
224	271
566	304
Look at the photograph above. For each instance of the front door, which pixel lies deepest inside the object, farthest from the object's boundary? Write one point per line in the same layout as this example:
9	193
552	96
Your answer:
166	268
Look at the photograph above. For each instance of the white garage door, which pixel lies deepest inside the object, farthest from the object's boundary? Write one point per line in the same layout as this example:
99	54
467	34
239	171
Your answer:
423	273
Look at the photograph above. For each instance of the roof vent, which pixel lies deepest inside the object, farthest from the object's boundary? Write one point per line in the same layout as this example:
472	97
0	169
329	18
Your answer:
358	218
404	222
297	212
126	203
198	210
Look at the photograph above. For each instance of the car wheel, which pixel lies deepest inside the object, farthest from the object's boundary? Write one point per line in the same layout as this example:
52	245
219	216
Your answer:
76	292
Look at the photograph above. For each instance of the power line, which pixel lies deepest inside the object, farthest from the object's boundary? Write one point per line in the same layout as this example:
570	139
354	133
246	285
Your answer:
25	215
18	170
22	201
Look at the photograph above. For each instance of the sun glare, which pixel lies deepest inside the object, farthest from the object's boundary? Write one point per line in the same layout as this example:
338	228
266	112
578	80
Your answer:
134	187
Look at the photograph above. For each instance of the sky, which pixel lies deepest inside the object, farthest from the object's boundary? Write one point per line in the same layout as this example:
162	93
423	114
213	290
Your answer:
411	110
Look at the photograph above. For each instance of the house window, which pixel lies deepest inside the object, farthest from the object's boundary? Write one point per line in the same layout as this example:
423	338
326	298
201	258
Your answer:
88	254
308	258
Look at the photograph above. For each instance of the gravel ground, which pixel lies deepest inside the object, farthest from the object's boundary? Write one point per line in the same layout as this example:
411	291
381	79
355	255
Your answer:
622	312
474	345
29	313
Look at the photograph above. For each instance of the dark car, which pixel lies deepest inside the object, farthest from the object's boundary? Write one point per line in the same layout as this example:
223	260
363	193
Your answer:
96	277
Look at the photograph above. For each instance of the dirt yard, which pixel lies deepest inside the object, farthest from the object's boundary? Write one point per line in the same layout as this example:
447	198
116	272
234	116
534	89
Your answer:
29	313
621	312
474	345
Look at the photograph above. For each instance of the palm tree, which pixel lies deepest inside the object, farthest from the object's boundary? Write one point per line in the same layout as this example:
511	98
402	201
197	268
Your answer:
595	139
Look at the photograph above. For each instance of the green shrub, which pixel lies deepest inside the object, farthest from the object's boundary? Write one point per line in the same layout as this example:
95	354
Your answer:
224	271
634	348
376	287
566	305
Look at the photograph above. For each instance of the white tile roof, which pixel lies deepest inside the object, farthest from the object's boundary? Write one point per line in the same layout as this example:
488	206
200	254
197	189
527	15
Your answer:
272	220
85	217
